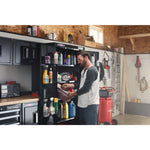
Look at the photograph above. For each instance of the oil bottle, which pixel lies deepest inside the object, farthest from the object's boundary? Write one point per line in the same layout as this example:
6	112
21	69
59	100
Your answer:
68	60
75	59
64	57
65	111
71	60
45	76
50	76
72	110
60	110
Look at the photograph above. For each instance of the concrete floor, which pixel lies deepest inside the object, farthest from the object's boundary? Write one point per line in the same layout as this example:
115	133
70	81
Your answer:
128	119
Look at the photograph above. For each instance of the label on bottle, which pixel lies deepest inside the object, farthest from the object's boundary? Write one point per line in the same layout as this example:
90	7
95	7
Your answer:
46	79
51	76
52	110
47	59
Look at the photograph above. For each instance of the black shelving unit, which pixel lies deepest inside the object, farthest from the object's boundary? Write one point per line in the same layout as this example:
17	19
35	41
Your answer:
51	89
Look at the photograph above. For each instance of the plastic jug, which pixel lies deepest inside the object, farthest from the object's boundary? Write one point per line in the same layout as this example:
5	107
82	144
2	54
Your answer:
72	110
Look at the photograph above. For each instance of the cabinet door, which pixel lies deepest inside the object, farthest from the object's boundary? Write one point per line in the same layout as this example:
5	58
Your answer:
5	51
43	50
16	54
29	114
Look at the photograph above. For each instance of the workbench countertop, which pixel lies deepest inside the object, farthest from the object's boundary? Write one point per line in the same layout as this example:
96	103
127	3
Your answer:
17	100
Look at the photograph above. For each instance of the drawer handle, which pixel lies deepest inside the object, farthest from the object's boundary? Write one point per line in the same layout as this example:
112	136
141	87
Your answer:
10	117
9	111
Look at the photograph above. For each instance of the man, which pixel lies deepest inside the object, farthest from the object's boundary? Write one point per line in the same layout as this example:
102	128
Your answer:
88	90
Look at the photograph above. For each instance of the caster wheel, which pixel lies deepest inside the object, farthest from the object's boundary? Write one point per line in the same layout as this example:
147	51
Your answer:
114	122
107	123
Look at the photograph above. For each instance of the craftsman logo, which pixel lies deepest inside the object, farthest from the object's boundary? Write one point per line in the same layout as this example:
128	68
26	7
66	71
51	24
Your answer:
65	77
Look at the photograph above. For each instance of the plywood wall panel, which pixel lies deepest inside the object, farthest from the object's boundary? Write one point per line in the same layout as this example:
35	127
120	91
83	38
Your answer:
110	32
111	35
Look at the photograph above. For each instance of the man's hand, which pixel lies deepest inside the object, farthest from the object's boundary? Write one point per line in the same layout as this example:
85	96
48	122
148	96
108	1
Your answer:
67	86
71	95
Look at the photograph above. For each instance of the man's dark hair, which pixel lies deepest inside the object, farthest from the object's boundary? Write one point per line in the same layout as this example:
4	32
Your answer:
84	53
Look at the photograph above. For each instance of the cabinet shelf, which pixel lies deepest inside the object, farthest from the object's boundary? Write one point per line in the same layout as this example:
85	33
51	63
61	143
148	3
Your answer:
65	65
57	65
48	85
65	82
64	120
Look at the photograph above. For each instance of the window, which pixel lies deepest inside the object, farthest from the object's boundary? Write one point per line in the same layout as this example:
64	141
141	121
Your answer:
97	33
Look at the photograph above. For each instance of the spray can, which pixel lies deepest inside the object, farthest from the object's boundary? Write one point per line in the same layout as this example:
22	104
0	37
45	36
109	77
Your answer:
30	30
65	110
51	108
71	59
45	109
68	58
65	58
56	105
55	57
34	30
60	59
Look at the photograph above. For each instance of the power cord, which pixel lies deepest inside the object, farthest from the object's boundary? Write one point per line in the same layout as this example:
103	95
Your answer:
143	84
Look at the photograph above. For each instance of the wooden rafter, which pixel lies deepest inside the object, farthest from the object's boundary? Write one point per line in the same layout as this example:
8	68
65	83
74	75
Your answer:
135	36
132	38
133	43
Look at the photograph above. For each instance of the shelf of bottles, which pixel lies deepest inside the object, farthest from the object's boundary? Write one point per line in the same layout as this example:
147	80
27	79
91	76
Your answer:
54	66
58	111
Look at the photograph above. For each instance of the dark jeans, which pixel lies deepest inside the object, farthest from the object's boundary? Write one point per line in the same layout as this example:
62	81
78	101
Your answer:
89	115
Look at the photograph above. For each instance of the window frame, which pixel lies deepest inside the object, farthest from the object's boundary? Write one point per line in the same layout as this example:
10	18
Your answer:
101	31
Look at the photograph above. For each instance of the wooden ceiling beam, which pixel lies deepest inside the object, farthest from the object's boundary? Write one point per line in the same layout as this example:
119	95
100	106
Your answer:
134	36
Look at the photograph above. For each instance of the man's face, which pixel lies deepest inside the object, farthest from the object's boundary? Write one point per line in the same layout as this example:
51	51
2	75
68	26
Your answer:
81	60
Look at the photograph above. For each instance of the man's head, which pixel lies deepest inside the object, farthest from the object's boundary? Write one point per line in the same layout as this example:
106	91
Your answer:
83	57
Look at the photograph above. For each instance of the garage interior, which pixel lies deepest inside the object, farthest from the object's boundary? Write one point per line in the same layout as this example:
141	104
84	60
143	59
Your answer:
127	47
